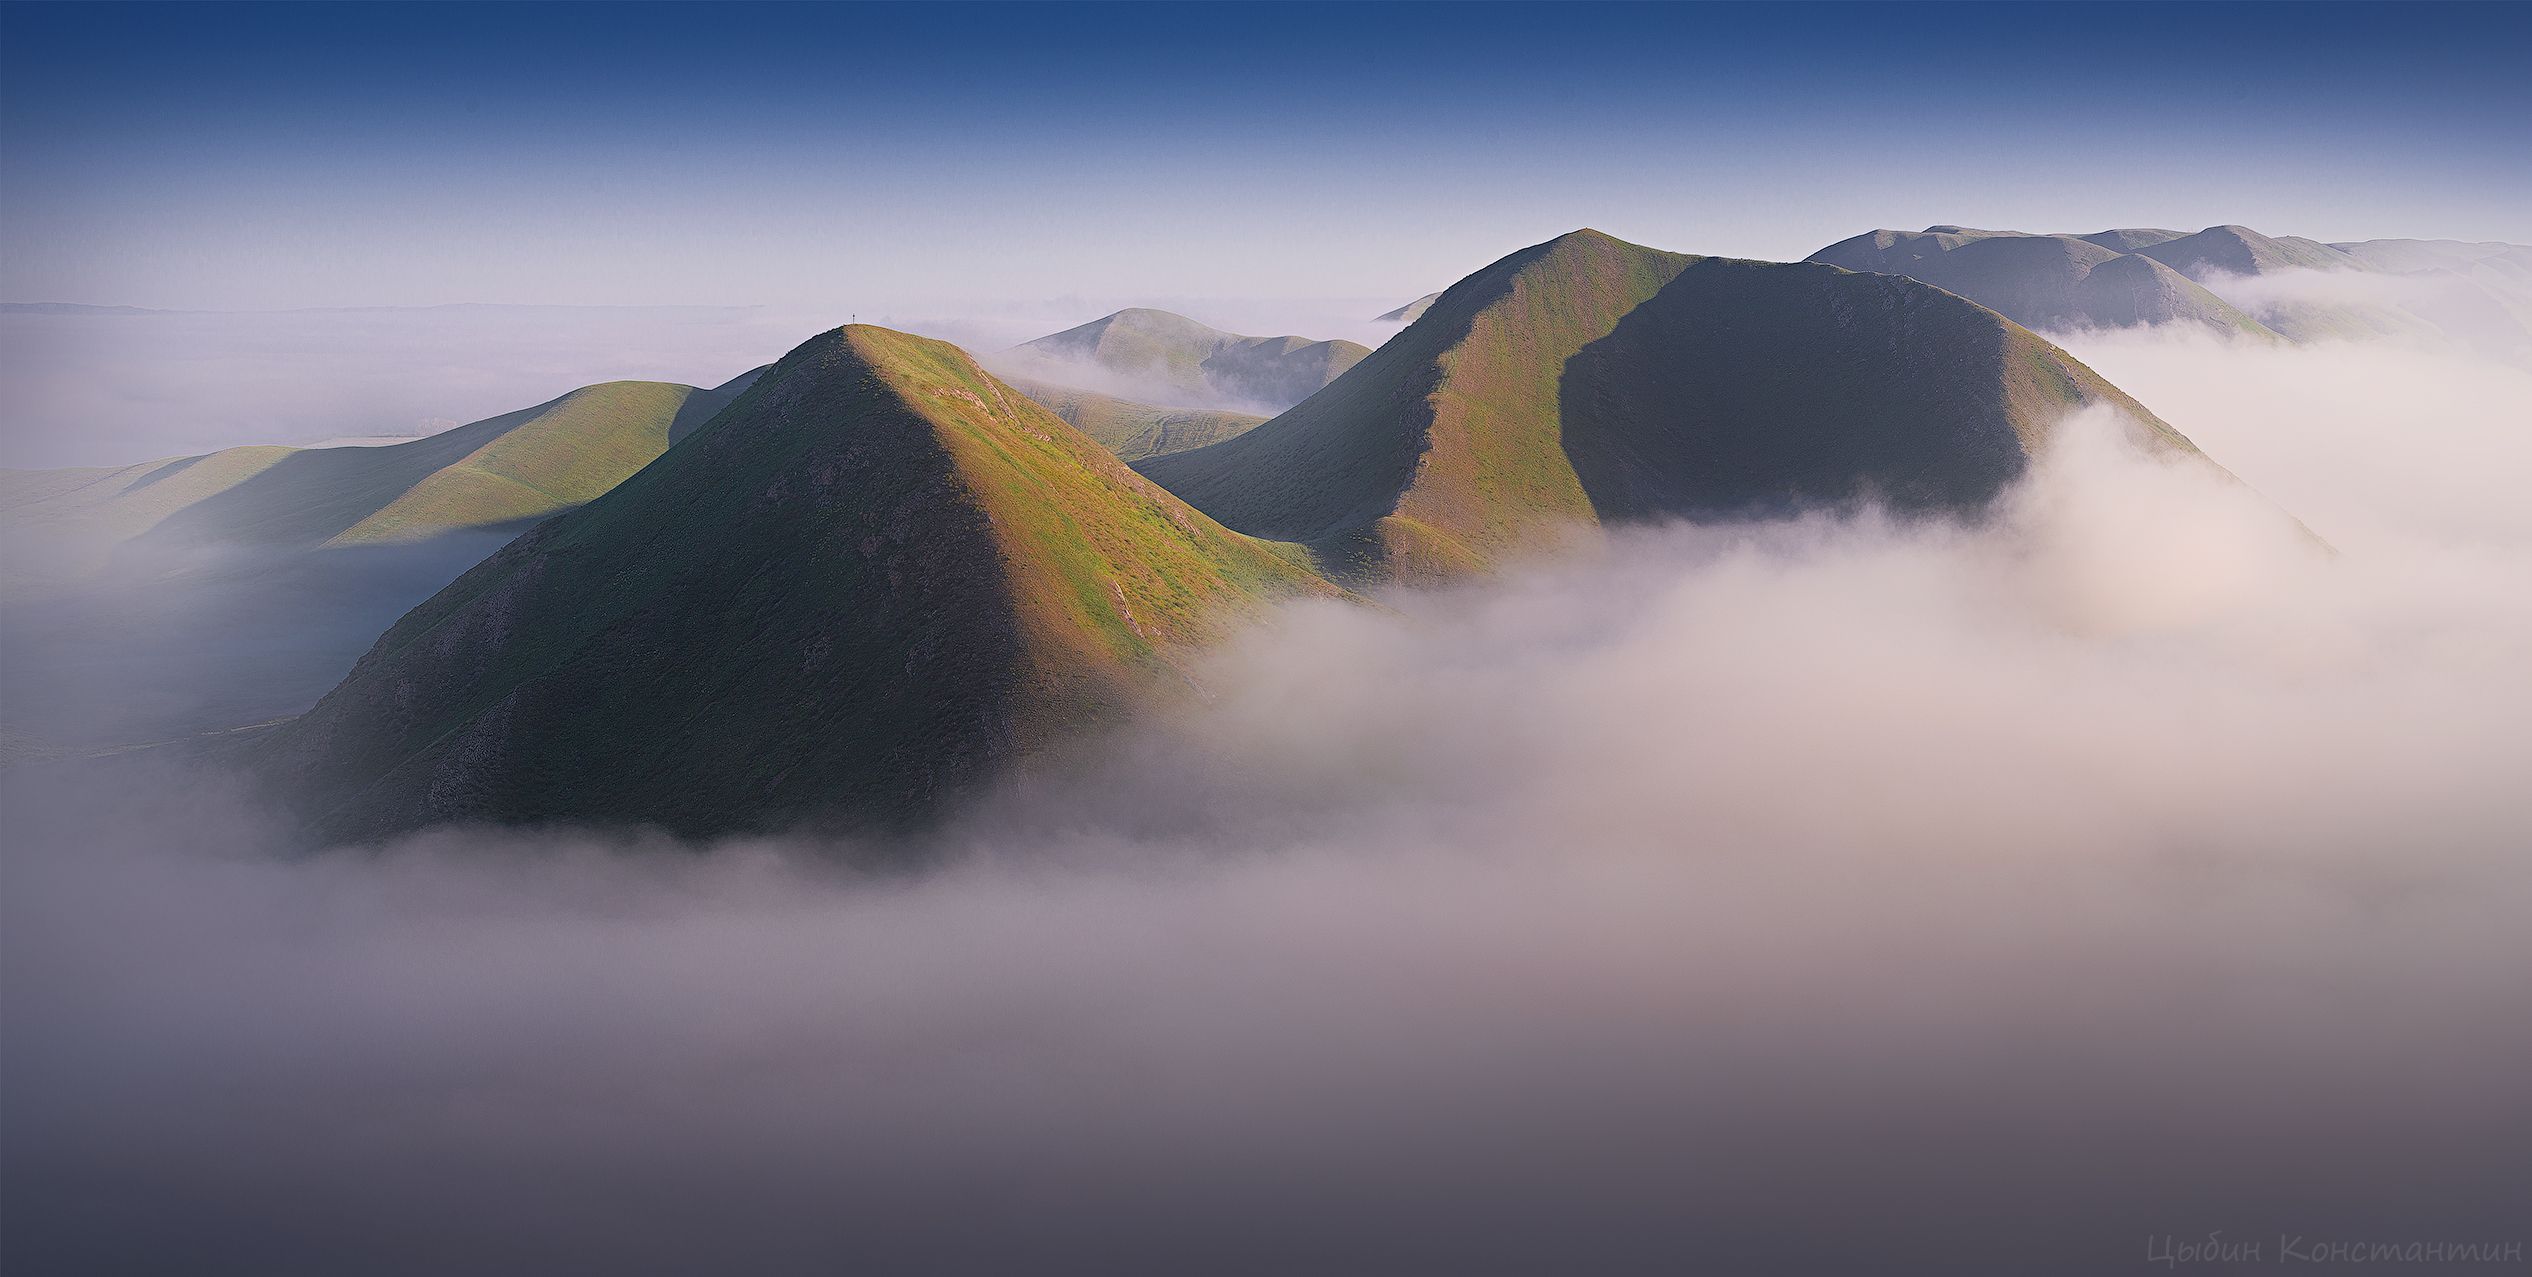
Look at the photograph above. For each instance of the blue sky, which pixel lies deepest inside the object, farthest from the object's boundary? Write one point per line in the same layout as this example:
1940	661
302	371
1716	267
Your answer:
953	155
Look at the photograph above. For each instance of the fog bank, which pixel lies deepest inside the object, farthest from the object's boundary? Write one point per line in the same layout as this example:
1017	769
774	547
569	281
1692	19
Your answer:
2372	443
1825	896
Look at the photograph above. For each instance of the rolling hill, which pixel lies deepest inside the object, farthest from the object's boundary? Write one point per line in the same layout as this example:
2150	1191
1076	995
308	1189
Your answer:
877	579
2045	281
1132	430
503	471
2239	250
2228	278
1157	357
1589	380
153	602
2123	240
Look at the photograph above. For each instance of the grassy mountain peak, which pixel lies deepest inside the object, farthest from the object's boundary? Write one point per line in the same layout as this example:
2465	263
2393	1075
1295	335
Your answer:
873	581
1589	380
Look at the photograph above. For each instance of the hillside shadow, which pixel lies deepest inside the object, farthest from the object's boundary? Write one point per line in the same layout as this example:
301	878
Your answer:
315	494
1750	390
702	406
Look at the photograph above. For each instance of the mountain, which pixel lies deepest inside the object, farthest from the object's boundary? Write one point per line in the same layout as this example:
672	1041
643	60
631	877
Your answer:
2044	281
153	602
875	580
499	472
2411	256
2287	278
2231	278
1159	357
1410	312
2239	250
2130	239
1132	430
1588	380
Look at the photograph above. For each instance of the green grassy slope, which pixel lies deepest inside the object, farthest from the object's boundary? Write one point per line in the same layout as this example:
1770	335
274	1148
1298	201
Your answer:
1132	430
63	522
1441	443
1589	379
1186	361
876	579
502	471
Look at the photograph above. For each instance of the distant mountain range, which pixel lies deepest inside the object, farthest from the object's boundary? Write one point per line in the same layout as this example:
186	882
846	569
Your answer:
2229	278
881	577
1156	357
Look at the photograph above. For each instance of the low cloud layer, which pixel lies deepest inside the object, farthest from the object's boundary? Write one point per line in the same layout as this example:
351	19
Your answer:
1156	386
1832	895
2485	314
2375	444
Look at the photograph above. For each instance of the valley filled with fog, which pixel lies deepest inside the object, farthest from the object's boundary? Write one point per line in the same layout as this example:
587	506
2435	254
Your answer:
1233	639
1839	890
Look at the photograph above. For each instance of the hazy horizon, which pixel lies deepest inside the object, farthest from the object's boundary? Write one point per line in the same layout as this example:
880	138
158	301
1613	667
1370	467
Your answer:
991	173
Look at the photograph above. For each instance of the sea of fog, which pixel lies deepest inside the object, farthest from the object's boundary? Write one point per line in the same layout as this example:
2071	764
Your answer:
1827	896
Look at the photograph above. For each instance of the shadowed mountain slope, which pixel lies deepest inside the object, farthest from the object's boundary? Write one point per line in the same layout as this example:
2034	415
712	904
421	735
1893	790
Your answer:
1157	356
876	579
1588	379
1132	430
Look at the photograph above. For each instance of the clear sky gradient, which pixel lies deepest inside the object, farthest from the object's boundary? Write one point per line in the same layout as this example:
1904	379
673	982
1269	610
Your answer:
207	156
